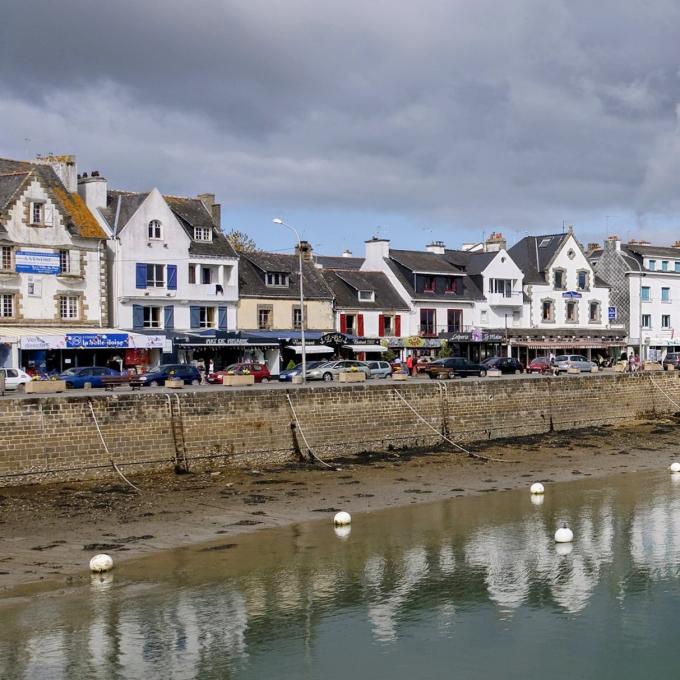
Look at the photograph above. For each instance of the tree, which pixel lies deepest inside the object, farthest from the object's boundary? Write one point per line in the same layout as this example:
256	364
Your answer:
445	350
241	242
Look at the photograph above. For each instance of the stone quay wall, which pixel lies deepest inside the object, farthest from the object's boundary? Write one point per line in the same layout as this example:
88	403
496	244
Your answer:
57	438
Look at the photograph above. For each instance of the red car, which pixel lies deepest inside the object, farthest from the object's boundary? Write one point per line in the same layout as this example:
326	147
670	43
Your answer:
540	365
260	371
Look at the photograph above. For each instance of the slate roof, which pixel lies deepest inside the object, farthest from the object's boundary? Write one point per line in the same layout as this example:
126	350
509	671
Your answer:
346	284
653	251
76	215
533	258
129	202
333	262
254	266
423	262
472	263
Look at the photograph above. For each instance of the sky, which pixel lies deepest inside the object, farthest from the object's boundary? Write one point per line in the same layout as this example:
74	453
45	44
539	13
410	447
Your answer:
436	120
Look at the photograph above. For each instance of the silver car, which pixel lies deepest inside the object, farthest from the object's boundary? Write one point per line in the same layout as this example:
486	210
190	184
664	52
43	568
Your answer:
331	369
379	369
566	361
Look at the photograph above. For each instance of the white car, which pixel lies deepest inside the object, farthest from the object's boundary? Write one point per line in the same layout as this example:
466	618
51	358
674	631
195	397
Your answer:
566	361
15	378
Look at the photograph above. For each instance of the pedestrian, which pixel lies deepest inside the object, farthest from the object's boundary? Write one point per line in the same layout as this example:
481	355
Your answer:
638	363
552	358
631	362
409	364
211	366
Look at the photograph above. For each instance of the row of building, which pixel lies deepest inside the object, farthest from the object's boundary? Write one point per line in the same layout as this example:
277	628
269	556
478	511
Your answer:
90	275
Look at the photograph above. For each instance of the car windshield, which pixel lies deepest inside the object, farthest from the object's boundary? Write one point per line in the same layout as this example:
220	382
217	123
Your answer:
562	357
540	360
71	371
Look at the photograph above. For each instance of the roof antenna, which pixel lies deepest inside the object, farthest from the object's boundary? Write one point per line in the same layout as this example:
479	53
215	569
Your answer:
563	226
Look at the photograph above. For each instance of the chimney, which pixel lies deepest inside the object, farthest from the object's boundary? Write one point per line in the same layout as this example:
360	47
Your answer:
347	253
92	189
377	249
215	209
305	248
592	246
676	245
65	168
495	243
436	247
612	242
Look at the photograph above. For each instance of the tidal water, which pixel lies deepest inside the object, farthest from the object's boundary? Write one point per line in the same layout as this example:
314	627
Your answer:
468	588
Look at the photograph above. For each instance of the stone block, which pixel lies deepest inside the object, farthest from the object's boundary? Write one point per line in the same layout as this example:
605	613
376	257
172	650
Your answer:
174	383
45	386
238	380
351	377
399	376
493	373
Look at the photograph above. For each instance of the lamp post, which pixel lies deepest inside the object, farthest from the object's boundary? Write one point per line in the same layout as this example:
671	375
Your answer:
277	220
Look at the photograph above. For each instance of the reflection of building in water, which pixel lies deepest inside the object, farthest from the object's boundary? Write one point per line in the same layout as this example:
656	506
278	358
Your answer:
655	536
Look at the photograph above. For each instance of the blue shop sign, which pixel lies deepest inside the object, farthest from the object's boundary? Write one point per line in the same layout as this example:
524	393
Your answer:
612	313
96	340
572	295
36	262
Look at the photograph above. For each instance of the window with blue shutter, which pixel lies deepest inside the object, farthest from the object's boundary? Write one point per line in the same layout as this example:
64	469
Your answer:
137	316
172	277
194	317
140	271
222	318
169	314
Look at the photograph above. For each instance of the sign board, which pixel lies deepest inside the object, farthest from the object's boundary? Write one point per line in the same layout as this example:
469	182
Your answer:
36	262
96	340
42	342
333	339
572	295
612	313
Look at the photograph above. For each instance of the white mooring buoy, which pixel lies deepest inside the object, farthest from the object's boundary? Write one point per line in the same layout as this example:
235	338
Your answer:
537	488
100	563
564	534
674	467
342	518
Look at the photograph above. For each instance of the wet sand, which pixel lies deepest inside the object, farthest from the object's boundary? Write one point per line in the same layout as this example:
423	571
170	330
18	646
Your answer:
49	532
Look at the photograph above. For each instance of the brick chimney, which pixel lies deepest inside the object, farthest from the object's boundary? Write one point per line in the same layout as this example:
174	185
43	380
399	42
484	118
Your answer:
676	245
64	166
215	209
495	242
305	248
613	242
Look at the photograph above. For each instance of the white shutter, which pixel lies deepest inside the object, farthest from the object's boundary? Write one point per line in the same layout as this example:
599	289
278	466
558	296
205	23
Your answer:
49	214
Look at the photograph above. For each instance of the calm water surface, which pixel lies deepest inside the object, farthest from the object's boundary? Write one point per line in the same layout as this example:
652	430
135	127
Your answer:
470	588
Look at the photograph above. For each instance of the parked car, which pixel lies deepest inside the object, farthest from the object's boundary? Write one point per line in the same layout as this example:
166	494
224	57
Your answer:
77	377
379	369
290	373
672	359
15	378
255	368
540	365
566	361
331	369
454	366
423	362
157	376
505	365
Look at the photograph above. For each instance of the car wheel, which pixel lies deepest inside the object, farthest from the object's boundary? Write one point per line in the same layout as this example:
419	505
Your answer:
195	381
482	374
264	380
21	387
153	383
328	377
431	375
451	375
69	386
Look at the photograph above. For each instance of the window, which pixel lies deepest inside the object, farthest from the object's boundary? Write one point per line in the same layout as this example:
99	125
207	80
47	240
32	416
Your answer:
350	323
665	321
651	265
428	322
297	317
388	322
202	234
68	307
544	242
665	295
6	258
155	276
664	265
154	231
206	275
516	317
192	273
37	212
677	267
454	320
430	283
152	317
6	306
207	317
559	278
483	317
264	317
594	313
548	310
571	311
34	287
277	280
646	320
645	293
452	285
501	287
64	261
582	280
366	295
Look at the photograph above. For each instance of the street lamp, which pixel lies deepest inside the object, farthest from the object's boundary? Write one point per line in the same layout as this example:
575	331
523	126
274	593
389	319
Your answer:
278	220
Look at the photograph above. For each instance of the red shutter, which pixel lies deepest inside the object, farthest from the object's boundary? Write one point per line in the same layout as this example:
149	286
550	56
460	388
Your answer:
360	325
381	325
343	323
397	325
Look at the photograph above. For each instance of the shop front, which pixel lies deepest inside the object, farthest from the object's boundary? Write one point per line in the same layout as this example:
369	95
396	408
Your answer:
477	344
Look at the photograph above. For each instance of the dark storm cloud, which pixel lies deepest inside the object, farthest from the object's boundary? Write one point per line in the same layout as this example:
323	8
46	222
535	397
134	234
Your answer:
475	113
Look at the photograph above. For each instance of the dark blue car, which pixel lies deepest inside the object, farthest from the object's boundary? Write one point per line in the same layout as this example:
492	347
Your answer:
157	376
77	377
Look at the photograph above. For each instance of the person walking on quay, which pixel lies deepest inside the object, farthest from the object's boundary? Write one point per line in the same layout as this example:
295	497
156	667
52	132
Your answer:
409	364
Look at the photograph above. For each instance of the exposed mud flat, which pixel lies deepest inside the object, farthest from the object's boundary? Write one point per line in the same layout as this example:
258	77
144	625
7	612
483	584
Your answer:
50	532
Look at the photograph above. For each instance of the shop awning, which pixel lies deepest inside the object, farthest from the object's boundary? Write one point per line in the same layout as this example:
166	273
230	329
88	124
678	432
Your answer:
570	344
311	349
366	348
74	337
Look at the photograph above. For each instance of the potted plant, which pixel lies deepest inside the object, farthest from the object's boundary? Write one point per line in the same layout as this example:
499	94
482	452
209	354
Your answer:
45	386
173	382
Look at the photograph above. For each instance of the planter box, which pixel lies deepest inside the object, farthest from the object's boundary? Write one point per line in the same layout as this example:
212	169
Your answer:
45	386
669	367
399	376
574	370
620	367
594	369
493	373
174	383
296	380
238	380
652	367
358	376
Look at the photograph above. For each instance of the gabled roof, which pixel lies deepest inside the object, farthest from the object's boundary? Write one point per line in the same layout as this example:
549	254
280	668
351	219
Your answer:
472	263
254	266
122	204
424	262
76	215
338	262
533	254
347	284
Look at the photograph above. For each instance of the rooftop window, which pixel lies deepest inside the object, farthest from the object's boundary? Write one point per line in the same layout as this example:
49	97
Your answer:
202	234
366	296
277	279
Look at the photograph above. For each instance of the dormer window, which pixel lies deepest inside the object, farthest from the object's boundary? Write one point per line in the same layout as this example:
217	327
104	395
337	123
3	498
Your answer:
366	296
37	212
202	234
452	285
651	265
429	286
155	230
277	279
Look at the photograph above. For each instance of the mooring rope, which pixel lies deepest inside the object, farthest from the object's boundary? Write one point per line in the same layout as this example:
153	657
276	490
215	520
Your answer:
304	439
108	453
446	439
664	393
